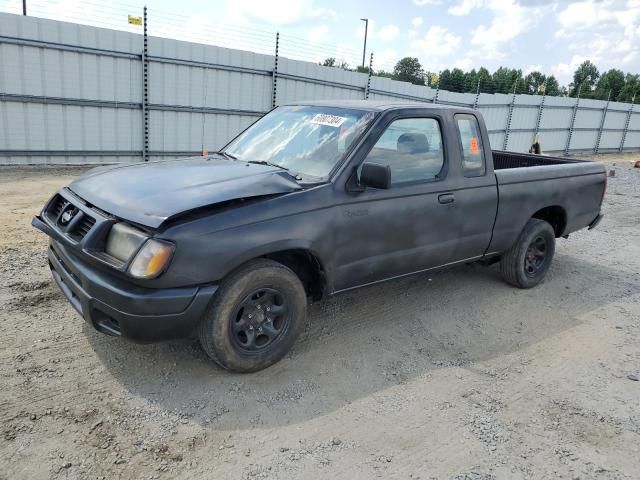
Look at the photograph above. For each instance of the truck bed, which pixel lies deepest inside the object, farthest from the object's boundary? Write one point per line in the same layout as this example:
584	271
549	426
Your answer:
503	160
528	183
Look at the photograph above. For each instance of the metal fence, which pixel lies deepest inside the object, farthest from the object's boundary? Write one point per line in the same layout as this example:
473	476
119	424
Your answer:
77	94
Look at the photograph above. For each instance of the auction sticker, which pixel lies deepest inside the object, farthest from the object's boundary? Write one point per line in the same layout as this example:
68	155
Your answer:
328	120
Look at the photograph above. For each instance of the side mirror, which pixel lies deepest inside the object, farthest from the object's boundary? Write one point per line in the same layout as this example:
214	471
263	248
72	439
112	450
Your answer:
375	176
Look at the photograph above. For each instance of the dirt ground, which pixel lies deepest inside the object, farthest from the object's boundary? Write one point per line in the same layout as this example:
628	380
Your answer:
451	375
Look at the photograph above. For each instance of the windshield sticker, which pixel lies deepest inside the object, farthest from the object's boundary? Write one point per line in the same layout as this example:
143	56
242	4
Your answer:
328	120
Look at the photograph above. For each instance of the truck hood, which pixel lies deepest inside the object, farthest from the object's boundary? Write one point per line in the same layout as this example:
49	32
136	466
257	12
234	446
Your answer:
150	193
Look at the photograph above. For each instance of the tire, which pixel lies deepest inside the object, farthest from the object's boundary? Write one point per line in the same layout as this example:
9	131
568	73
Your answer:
254	318
526	263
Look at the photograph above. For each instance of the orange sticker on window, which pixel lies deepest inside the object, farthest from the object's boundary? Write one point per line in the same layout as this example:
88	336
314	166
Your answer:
474	145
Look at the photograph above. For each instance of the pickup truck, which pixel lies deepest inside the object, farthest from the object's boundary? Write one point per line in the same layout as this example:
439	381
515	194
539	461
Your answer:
311	200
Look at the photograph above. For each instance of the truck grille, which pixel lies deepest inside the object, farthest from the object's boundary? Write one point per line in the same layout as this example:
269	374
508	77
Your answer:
81	230
68	219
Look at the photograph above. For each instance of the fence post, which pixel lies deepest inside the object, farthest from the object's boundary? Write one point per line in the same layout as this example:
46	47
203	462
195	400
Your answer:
475	102
540	110
435	97
626	125
368	87
507	129
274	93
145	88
604	116
573	120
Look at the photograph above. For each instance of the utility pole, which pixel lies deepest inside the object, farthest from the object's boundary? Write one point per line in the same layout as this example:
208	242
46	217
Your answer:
364	50
24	7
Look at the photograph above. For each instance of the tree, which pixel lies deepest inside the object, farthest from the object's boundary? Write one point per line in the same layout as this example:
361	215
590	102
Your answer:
584	79
444	81
611	81
508	79
552	87
432	79
486	81
631	90
534	82
382	73
329	62
409	69
471	81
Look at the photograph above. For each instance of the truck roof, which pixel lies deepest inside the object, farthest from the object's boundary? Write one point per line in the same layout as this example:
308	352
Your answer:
377	105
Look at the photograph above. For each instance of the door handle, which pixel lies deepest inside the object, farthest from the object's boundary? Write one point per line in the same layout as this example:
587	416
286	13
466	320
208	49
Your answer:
446	198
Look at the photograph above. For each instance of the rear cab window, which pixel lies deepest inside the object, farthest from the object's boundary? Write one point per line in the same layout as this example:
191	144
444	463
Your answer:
473	161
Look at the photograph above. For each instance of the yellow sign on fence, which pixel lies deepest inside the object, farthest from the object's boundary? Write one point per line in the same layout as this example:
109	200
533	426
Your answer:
135	20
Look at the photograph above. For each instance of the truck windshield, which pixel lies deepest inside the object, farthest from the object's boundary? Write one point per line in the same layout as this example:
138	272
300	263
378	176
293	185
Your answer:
307	140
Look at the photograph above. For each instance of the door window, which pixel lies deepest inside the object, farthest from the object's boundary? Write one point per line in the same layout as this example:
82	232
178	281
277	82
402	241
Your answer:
471	145
412	147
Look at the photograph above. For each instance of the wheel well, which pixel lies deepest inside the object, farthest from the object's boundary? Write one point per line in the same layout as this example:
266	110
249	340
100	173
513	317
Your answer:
307	267
554	216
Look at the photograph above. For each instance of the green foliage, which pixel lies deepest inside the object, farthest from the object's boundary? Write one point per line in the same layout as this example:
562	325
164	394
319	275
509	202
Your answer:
631	90
329	62
612	81
584	80
409	69
505	80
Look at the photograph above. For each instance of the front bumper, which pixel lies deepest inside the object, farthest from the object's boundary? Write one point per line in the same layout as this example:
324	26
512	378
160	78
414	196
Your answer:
118	308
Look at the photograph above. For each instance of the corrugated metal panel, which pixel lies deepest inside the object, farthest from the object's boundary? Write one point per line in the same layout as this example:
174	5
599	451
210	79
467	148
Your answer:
79	88
553	141
634	122
519	141
524	118
495	117
556	118
610	140
632	140
583	140
588	119
615	120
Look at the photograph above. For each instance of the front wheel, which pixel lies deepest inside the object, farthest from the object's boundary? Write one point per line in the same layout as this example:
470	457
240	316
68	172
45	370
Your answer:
526	263
255	317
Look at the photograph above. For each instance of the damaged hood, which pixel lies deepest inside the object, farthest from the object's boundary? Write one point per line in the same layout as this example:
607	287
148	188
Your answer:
150	193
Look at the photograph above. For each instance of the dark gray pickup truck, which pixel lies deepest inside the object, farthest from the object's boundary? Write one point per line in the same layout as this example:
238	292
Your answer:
311	200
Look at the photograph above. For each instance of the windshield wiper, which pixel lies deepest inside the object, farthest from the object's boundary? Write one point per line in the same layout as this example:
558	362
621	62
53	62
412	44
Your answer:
226	155
270	164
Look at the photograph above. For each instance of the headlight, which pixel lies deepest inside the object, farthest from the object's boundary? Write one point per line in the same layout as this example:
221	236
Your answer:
123	241
152	259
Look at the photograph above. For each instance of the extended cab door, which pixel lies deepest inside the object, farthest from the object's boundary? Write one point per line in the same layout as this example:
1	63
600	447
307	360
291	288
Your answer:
431	215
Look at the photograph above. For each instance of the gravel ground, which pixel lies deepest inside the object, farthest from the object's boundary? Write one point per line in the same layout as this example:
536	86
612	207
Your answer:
453	375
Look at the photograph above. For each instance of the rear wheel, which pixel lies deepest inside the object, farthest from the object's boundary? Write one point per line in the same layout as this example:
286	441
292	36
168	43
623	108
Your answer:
255	317
526	263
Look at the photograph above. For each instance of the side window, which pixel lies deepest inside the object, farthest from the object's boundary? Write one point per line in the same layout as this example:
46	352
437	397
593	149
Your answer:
412	147
471	144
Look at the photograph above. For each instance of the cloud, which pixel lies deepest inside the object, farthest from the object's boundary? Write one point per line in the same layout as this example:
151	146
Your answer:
607	33
319	33
438	42
421	3
464	7
388	32
532	68
416	21
277	12
509	21
564	71
385	59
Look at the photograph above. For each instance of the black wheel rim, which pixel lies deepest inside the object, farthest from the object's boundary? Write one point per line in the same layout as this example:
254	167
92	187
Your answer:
260	320
535	257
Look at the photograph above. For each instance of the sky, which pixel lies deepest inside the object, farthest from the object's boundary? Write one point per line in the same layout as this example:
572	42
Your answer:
551	36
